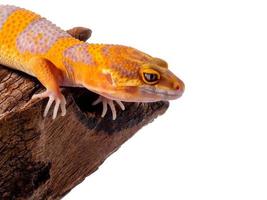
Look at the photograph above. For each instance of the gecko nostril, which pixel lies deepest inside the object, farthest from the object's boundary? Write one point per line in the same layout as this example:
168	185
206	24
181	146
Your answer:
176	86
179	86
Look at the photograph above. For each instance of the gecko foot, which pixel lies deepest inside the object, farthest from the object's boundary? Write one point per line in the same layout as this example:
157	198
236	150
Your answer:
108	102
59	101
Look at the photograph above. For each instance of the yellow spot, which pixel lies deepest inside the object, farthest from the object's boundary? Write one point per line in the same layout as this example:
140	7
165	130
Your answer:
37	38
40	36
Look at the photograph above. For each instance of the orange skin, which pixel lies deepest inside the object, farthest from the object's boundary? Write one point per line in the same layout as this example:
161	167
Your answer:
115	72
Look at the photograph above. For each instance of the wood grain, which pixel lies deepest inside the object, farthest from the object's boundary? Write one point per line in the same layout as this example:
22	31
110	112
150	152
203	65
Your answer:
41	158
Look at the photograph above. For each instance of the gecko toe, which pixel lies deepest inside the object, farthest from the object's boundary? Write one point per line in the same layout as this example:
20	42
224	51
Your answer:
99	100
48	105
121	105
56	109
108	103
105	108
63	107
41	95
113	109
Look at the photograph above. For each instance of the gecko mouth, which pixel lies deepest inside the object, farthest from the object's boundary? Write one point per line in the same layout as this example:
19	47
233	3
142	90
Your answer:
161	93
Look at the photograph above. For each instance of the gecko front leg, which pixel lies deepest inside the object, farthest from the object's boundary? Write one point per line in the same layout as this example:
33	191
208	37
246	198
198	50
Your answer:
108	102
50	77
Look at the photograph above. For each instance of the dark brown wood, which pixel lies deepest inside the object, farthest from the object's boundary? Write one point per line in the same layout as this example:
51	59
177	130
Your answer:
41	158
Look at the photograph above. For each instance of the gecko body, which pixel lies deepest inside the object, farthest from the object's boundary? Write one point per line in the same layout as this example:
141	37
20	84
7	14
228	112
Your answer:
34	45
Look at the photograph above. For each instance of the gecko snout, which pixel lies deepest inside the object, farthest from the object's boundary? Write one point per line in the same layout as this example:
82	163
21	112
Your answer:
179	87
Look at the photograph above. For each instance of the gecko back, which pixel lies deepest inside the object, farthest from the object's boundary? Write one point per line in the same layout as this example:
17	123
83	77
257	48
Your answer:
24	34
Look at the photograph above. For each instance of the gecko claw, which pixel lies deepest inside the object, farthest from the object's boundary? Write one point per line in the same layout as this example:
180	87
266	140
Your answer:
108	102
60	101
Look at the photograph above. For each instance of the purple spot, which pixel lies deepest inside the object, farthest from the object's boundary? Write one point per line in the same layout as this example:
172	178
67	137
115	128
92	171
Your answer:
105	50
79	53
39	36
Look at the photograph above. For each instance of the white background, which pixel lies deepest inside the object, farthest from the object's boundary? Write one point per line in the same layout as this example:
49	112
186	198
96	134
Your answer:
212	143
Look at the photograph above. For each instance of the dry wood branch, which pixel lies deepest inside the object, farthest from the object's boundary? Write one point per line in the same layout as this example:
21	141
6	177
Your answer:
44	159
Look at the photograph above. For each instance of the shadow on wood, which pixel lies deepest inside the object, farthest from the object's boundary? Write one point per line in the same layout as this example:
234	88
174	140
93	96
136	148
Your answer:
44	159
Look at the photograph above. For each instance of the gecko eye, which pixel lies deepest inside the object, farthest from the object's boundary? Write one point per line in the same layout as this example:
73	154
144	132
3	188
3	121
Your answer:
150	76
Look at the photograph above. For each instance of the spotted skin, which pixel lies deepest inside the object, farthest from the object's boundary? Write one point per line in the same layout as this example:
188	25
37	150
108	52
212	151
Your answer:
79	53
39	37
36	46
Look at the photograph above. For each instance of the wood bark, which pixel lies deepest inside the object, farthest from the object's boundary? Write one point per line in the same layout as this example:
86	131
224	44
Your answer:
41	158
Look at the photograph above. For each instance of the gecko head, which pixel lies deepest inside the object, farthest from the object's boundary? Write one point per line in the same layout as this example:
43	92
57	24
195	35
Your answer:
127	74
146	80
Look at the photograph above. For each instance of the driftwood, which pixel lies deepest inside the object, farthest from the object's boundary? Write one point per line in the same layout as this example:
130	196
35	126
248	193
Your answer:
41	158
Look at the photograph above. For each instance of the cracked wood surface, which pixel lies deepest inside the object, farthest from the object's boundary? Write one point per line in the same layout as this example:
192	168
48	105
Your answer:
44	159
